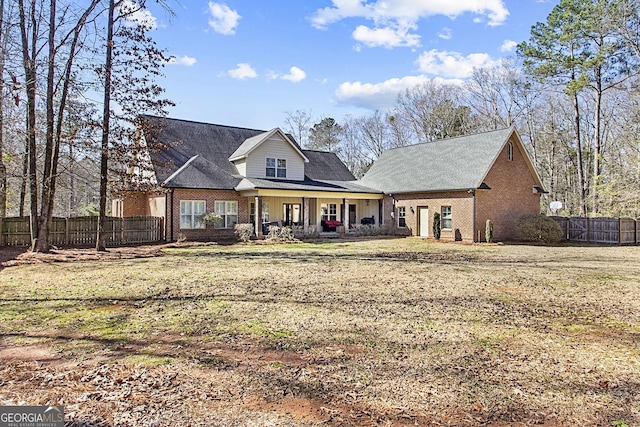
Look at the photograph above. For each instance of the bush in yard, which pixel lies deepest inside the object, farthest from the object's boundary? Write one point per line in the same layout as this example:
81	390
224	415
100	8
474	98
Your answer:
436	226
539	228
488	231
280	234
366	230
244	232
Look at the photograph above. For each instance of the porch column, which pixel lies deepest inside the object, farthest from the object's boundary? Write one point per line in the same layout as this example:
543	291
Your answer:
257	215
305	214
346	215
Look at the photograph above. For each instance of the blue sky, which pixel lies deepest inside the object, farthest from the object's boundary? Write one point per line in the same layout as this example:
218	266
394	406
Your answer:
248	62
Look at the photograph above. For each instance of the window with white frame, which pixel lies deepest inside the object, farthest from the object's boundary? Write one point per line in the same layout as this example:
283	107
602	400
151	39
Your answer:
445	217
402	216
252	212
276	168
191	212
509	151
228	211
281	172
329	212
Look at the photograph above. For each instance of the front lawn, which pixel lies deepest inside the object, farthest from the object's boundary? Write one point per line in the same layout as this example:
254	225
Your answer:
365	332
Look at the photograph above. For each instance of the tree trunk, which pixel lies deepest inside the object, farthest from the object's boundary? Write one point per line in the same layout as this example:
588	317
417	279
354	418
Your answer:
48	178
29	64
581	178
104	154
72	180
598	141
25	178
3	168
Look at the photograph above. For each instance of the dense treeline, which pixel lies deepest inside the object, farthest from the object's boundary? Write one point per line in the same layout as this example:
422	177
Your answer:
74	77
572	91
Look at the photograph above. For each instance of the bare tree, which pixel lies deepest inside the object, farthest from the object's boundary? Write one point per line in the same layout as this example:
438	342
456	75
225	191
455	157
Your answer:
499	95
434	111
132	64
298	124
61	32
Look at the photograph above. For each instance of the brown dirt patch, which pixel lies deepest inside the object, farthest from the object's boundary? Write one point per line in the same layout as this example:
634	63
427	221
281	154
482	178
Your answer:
29	353
10	256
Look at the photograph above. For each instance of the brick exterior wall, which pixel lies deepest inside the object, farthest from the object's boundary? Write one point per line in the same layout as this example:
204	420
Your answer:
511	195
461	203
210	197
134	204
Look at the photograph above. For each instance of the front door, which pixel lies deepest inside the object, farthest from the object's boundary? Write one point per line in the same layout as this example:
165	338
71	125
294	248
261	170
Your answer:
291	214
424	221
352	215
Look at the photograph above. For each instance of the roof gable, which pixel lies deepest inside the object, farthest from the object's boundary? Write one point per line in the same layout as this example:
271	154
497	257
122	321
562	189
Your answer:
252	143
450	164
514	136
189	154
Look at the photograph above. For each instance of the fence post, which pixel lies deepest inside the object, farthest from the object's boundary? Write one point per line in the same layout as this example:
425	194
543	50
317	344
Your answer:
620	231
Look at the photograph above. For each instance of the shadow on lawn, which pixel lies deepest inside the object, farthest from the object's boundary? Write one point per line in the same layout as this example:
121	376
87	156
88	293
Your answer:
442	257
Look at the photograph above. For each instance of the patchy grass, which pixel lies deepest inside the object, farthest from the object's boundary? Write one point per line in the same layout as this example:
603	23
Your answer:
364	332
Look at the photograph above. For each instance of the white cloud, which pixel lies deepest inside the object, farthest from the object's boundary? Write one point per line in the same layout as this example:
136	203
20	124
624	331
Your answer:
380	96
133	12
409	11
243	71
508	46
445	34
387	37
295	75
182	60
453	64
223	20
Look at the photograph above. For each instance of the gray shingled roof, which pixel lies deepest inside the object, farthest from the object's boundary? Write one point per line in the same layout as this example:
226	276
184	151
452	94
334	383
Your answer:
324	165
450	164
199	172
182	140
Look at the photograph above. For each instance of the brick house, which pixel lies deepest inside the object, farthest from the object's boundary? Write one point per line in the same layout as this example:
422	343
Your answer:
258	177
468	180
246	176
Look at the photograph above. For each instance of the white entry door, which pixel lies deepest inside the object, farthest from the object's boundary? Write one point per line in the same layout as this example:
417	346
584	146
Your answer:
424	221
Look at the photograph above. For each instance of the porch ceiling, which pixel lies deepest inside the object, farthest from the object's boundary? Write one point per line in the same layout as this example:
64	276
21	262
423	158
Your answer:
268	192
306	188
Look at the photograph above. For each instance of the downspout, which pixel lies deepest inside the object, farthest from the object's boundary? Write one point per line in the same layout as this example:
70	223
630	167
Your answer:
166	216
171	215
473	196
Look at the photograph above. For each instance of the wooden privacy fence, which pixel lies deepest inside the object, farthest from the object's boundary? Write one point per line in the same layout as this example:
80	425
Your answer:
81	231
621	231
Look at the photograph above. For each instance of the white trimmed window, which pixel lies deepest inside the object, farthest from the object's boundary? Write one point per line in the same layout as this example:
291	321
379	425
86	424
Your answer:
191	212
445	217
329	212
509	151
276	168
228	210
402	216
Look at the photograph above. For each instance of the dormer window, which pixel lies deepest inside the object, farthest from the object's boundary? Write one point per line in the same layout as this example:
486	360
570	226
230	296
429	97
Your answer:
276	168
509	151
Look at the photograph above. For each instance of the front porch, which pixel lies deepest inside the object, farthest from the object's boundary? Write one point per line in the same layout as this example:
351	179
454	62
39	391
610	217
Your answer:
314	213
